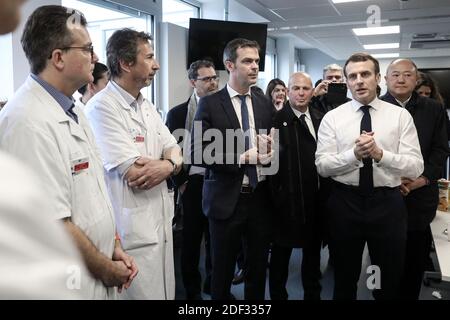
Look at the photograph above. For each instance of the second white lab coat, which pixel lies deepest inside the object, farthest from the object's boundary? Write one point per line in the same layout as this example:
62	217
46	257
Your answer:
144	217
36	129
38	259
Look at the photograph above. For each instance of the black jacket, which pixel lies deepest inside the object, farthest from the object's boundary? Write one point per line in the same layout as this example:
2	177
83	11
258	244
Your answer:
322	105
176	119
430	121
295	189
223	177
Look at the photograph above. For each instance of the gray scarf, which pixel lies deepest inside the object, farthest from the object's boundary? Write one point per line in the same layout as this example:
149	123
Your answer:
192	109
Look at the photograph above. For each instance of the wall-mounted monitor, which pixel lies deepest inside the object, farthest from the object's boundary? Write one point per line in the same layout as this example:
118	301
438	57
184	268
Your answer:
207	39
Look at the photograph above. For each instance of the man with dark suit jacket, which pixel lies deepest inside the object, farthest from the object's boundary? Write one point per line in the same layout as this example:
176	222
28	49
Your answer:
236	197
295	190
421	195
203	78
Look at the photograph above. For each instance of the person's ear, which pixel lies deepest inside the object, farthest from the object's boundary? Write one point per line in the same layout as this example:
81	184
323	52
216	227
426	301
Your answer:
57	59
229	65
91	87
125	66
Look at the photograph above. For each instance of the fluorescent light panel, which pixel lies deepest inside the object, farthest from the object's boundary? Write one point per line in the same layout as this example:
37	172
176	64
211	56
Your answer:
343	1
393	45
376	30
386	55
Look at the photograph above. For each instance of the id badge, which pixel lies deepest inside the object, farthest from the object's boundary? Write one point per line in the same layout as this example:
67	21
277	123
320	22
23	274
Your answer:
139	139
79	165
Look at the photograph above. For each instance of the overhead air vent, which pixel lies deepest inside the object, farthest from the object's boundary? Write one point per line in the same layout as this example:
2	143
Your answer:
424	35
430	44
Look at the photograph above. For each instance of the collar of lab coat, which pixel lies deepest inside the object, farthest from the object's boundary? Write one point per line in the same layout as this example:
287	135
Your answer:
123	103
55	108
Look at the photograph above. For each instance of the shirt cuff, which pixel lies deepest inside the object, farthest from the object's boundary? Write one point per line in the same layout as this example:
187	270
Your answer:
351	159
122	169
386	159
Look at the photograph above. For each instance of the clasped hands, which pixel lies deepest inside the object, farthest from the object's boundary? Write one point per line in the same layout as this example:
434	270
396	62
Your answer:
263	152
366	147
409	185
146	173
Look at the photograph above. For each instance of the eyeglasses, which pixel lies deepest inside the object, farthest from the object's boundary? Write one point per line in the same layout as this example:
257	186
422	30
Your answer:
208	79
89	49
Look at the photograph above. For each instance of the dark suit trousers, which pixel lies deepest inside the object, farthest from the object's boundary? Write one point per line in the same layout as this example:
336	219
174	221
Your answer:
252	219
378	220
418	245
310	270
195	226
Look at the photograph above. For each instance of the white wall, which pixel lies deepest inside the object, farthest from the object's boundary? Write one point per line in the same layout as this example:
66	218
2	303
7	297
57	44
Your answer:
6	65
314	61
286	58
20	63
173	75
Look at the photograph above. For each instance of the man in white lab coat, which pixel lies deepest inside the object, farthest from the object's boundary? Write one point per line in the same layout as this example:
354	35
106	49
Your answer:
139	154
38	261
41	126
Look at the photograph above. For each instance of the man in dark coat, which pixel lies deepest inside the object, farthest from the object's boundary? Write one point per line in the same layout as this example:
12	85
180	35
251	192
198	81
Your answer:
203	78
236	195
421	195
295	190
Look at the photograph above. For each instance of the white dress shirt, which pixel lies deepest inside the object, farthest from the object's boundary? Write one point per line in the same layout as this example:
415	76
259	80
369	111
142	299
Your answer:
308	120
394	133
236	101
403	104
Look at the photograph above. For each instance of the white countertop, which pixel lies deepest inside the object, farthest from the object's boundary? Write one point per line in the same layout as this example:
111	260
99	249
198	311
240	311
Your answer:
441	242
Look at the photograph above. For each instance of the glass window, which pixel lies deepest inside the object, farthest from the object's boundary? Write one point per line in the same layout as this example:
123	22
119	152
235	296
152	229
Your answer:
103	21
179	12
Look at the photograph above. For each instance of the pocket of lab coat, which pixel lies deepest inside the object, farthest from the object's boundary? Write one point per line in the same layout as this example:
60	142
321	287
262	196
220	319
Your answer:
139	227
87	211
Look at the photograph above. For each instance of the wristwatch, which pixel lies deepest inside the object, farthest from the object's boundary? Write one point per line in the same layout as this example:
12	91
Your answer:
174	166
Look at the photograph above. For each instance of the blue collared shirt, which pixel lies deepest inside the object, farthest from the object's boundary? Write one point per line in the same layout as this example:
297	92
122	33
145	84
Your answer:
64	101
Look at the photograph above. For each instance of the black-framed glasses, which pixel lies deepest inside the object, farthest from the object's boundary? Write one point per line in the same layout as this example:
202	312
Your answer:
89	49
208	79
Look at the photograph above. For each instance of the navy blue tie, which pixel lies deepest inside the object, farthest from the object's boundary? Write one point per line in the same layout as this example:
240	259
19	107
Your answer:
72	114
250	170
366	172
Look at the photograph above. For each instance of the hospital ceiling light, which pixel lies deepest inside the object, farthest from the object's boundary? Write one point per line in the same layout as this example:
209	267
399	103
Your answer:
344	1
386	55
376	30
377	46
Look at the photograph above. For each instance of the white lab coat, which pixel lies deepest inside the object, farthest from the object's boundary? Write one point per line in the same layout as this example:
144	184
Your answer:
38	260
36	129
144	217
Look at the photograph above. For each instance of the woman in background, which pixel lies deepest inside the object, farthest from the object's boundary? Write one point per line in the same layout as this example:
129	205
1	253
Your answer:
426	87
276	92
